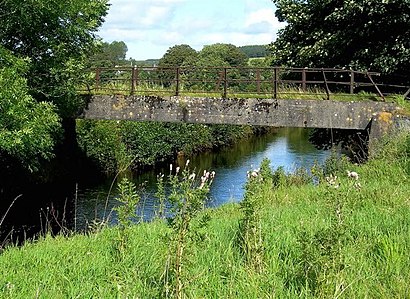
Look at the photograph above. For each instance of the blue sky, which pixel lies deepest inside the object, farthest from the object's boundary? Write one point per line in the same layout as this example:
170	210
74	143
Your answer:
150	27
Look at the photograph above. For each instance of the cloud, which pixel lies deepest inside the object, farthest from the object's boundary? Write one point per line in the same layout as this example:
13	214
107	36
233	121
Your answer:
150	27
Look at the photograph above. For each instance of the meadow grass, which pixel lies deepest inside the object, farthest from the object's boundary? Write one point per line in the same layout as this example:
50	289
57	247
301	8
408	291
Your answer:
336	238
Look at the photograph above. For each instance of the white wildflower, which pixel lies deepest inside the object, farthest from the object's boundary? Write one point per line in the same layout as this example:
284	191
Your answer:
353	175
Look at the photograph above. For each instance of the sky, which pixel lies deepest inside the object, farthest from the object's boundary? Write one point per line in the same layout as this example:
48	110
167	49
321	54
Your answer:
151	27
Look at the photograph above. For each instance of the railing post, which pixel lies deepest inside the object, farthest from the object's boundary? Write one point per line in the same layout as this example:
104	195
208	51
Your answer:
177	82
134	75
351	82
375	85
275	82
326	85
304	80
258	81
97	78
225	83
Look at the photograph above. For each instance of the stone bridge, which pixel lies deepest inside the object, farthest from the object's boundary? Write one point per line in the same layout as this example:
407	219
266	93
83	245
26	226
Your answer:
374	116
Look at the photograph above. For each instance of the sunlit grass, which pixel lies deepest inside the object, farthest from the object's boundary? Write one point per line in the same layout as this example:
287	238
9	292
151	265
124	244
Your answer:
320	241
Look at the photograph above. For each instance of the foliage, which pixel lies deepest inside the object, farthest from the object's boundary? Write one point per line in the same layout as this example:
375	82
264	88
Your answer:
101	141
253	51
251	240
28	129
363	35
228	54
115	145
177	55
187	197
109	55
129	199
57	37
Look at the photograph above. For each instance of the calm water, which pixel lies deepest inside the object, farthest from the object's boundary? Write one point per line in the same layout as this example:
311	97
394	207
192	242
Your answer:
65	203
287	147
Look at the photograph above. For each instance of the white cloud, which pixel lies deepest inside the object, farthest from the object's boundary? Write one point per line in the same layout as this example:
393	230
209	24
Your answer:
150	27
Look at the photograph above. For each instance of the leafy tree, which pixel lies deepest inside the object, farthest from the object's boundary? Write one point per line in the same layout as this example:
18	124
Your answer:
110	54
27	128
228	53
365	34
177	55
254	51
57	36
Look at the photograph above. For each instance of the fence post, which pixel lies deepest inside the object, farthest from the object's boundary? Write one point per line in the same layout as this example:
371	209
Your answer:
97	78
304	80
258	81
133	79
225	83
177	82
351	82
275	82
375	85
326	85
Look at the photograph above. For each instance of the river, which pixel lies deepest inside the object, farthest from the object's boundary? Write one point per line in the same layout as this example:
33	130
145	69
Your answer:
287	147
77	204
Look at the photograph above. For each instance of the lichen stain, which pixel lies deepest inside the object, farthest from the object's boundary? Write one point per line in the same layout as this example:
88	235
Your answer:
385	117
120	104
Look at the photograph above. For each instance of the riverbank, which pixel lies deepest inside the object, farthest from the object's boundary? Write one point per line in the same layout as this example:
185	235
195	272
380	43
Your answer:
340	237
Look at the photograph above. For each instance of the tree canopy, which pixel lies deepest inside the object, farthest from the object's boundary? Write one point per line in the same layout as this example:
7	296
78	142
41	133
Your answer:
254	51
228	53
110	54
178	55
56	36
27	128
366	34
43	45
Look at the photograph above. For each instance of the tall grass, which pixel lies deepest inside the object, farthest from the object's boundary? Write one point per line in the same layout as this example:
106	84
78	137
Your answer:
337	238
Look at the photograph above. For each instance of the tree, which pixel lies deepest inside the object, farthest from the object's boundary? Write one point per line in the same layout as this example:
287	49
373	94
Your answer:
57	36
365	34
228	53
110	54
254	51
27	128
177	55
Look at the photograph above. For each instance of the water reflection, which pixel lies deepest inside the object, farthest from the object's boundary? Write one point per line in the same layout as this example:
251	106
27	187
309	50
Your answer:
287	147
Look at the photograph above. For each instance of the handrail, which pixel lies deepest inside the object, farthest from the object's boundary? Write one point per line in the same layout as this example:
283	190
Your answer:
232	80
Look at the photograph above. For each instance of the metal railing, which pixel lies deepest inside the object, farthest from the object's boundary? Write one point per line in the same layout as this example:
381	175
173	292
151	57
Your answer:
274	82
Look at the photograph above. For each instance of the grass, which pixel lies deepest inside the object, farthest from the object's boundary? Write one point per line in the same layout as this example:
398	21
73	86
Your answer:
285	91
320	241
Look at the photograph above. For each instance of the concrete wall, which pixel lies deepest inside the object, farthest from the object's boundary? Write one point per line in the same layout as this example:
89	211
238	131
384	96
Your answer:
264	112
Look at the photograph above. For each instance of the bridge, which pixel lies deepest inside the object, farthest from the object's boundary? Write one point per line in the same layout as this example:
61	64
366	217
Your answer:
279	97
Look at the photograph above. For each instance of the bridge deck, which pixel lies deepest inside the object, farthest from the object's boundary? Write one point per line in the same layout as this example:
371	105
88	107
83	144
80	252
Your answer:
263	112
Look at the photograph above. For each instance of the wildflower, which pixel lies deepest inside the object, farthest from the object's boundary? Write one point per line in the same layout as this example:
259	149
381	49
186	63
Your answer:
192	176
357	185
177	170
332	181
187	163
170	167
353	175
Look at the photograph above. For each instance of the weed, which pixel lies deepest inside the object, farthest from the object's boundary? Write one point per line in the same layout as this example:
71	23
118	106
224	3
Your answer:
187	196
250	226
129	199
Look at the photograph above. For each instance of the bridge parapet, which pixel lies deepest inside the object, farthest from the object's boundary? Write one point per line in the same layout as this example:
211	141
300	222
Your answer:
261	112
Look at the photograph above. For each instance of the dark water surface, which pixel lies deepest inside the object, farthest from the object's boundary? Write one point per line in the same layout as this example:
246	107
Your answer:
76	204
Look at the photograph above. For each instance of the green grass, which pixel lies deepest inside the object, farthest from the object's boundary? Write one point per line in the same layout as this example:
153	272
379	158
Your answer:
319	242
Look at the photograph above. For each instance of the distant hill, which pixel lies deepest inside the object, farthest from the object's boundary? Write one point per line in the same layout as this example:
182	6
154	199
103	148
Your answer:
254	51
147	62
